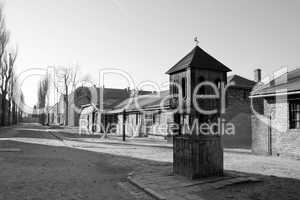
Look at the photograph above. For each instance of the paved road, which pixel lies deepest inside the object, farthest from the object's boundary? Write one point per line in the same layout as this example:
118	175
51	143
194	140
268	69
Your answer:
51	170
243	162
48	168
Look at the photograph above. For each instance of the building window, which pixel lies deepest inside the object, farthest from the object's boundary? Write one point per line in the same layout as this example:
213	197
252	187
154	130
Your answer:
294	108
183	84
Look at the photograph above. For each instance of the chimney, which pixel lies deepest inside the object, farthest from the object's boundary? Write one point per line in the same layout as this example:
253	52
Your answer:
257	75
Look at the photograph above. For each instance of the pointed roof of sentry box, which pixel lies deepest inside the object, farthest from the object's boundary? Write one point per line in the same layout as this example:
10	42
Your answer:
199	59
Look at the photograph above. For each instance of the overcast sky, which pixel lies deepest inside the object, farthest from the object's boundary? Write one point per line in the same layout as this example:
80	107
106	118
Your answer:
146	38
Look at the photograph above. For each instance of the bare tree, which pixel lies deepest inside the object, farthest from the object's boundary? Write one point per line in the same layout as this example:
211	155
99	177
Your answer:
21	103
67	78
7	65
4	71
7	71
42	97
14	98
4	34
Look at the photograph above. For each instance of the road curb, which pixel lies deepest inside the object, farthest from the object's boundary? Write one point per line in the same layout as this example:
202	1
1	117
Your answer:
10	150
56	136
139	144
105	142
146	189
238	151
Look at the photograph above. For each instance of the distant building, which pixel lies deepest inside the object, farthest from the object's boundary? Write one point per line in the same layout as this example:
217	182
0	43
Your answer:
144	115
81	98
52	116
106	100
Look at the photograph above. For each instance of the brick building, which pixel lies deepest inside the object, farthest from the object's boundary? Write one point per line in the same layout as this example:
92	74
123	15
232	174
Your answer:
276	123
238	112
82	97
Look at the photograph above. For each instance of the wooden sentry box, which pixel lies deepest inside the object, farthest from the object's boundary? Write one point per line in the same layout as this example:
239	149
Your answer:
197	156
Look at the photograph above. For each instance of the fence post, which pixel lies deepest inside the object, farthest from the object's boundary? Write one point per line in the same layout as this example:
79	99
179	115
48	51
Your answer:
124	125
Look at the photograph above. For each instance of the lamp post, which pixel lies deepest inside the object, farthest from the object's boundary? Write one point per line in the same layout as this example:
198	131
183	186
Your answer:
124	125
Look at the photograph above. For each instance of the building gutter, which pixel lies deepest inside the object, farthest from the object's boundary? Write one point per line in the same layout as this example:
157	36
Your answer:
274	94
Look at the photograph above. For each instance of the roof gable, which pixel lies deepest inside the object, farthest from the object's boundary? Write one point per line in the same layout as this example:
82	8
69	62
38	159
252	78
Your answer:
199	59
240	81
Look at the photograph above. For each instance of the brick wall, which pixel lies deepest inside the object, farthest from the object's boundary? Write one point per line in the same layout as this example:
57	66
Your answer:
259	136
277	139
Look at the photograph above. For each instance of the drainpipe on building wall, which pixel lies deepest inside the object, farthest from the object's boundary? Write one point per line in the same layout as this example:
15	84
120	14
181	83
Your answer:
270	136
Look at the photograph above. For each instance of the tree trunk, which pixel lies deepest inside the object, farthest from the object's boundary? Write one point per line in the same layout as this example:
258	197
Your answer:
9	112
3	108
14	118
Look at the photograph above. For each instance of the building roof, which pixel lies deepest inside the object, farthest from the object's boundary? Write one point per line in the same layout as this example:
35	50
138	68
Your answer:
90	95
113	96
286	83
240	82
148	101
199	59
